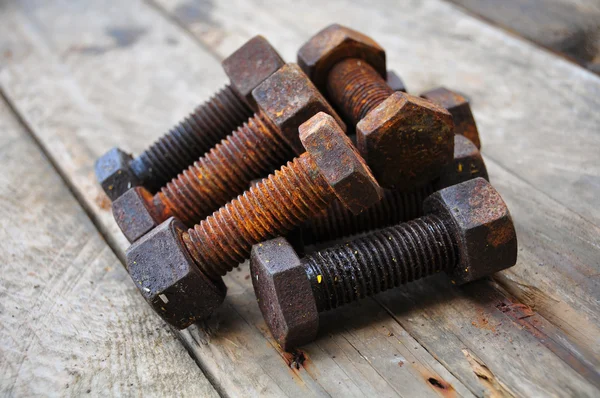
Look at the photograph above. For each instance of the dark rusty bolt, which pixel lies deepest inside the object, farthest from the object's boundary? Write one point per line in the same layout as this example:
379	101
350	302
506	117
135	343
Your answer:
395	207
405	140
269	139
330	168
459	108
467	232
209	123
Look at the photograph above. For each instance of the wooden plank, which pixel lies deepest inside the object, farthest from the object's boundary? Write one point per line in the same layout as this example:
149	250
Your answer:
565	291
71	320
64	86
568	27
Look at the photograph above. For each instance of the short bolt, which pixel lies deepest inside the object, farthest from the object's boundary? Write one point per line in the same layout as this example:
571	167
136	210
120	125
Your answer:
395	206
467	232
329	168
209	123
265	142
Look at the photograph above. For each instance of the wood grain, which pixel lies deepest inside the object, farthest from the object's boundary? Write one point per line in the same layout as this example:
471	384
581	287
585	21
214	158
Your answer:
71	321
568	27
81	93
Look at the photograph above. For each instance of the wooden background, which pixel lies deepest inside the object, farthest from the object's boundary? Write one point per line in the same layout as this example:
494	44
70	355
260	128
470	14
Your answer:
78	77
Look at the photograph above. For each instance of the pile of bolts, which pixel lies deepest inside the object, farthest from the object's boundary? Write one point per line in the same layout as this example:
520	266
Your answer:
267	169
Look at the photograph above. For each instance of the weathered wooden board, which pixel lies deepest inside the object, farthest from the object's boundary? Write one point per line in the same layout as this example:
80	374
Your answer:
81	93
71	322
569	27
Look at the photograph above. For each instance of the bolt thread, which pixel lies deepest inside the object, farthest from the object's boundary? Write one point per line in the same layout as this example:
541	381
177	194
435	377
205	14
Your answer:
252	151
395	207
271	208
356	88
380	261
191	138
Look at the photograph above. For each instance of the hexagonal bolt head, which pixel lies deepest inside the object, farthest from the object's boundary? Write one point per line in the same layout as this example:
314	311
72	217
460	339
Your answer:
288	98
466	165
395	82
134	213
459	108
340	163
114	173
406	141
283	293
334	43
250	65
169	279
487	237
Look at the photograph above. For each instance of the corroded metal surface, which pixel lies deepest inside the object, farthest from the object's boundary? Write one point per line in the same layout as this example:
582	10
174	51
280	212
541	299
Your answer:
356	88
210	122
250	65
339	162
406	141
467	233
484	229
459	108
395	207
286	299
269	139
278	204
168	278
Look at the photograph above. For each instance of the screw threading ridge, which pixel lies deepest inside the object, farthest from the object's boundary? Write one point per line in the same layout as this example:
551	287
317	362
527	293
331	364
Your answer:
252	151
271	208
395	207
191	138
356	88
380	261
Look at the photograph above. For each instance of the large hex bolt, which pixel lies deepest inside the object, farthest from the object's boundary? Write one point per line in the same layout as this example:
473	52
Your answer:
269	139
404	139
396	206
467	232
250	65
331	167
459	108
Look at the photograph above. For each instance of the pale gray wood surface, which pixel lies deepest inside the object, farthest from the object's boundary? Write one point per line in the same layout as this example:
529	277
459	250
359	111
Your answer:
128	73
71	320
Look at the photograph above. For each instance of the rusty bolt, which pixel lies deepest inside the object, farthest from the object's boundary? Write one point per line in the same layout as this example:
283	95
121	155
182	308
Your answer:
467	232
270	138
209	123
406	141
395	207
329	168
459	108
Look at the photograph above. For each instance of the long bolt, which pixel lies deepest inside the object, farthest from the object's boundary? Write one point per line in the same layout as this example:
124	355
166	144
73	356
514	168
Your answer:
207	125
273	207
355	88
380	261
252	151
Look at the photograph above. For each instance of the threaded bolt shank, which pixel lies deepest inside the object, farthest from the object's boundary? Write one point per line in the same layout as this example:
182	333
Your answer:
273	207
356	88
383	260
252	151
191	138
